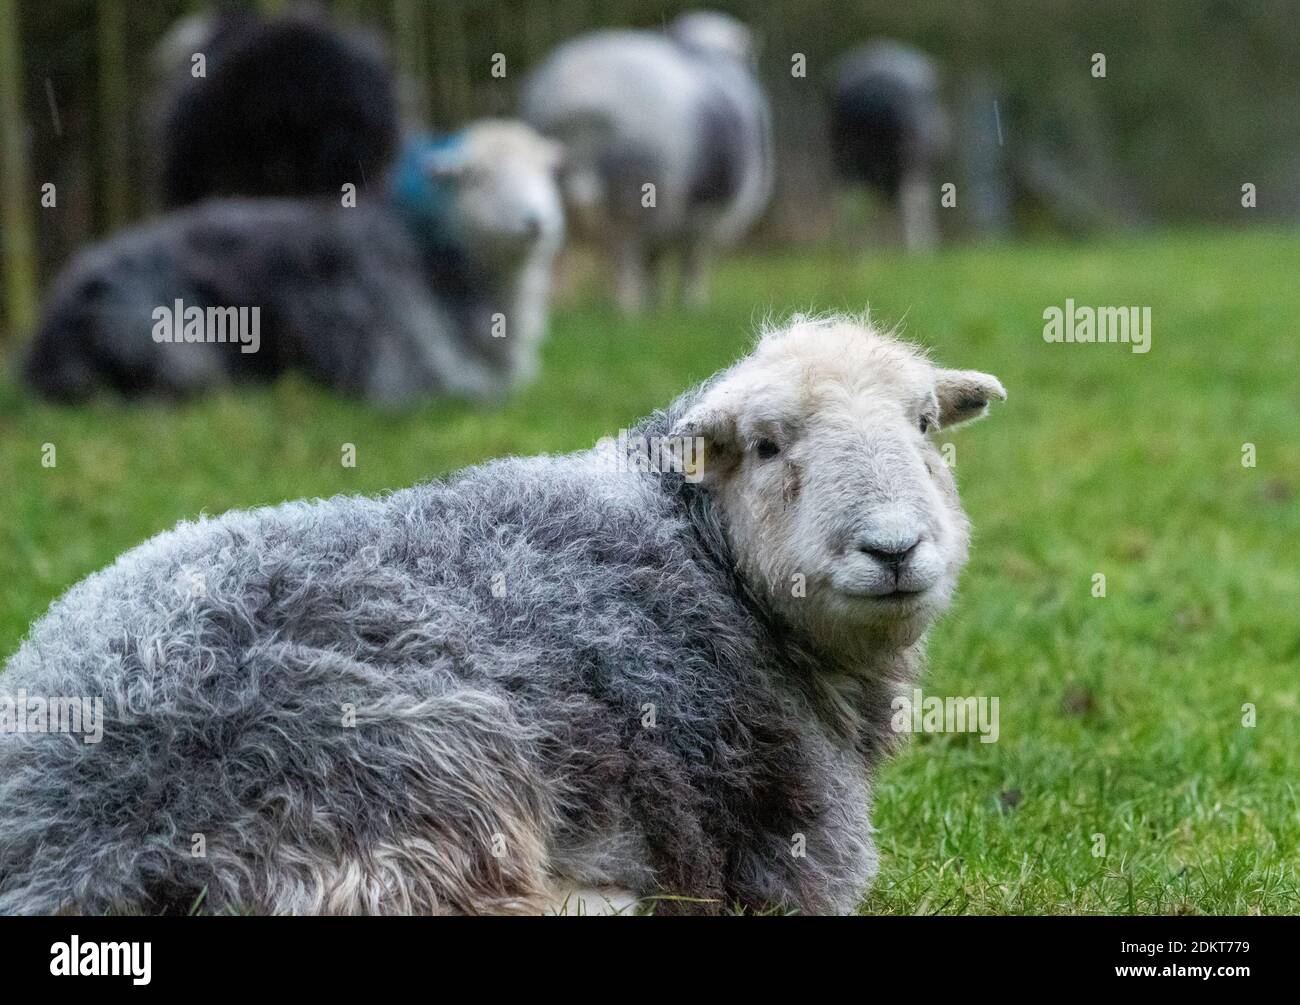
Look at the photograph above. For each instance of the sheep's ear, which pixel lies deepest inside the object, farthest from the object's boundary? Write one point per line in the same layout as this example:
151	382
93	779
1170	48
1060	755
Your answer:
712	420
964	395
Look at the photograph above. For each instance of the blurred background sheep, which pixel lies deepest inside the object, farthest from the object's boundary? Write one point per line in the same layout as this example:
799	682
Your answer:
284	107
669	145
889	130
440	286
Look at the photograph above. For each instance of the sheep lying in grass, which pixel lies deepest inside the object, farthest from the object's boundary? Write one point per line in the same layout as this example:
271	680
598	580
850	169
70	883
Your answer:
543	673
442	288
889	130
681	112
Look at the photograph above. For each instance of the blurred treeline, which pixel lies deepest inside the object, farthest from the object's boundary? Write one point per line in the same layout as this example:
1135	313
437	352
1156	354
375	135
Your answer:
1199	98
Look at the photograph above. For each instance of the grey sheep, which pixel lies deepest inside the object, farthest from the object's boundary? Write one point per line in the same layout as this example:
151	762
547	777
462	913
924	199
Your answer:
656	668
440	287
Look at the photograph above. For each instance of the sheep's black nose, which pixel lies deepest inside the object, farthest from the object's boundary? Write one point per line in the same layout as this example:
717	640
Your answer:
891	553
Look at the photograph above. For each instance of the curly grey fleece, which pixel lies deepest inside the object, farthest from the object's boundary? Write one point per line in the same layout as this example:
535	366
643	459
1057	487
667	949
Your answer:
438	701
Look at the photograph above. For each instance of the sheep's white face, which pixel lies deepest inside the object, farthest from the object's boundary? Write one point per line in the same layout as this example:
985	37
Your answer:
506	205
835	500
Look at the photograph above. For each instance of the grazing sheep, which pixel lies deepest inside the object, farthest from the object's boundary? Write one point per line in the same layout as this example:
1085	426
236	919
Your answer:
444	289
889	130
680	111
287	107
542	673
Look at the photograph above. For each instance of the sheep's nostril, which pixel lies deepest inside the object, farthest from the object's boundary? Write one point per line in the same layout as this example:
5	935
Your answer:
891	554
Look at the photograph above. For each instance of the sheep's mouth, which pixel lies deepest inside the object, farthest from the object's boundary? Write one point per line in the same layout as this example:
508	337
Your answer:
892	597
898	596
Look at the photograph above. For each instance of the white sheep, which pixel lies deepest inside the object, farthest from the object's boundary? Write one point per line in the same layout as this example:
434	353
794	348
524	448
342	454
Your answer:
669	141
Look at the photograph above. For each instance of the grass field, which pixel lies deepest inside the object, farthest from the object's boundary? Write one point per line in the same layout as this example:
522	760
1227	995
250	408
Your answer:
1121	716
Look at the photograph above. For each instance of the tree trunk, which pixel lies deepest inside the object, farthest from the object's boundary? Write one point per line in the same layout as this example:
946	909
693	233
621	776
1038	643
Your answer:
16	192
114	114
455	78
411	38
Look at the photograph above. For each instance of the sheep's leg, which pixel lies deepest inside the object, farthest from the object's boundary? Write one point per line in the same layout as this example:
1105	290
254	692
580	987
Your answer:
633	283
855	221
660	278
407	362
916	206
696	266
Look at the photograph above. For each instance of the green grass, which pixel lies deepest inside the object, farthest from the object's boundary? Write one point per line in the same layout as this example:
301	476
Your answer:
1120	716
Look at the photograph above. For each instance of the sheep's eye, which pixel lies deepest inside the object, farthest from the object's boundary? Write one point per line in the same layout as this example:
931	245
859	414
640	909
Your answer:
925	424
766	449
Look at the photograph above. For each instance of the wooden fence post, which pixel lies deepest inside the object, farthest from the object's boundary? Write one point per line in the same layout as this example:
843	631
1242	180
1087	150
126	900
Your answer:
16	192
